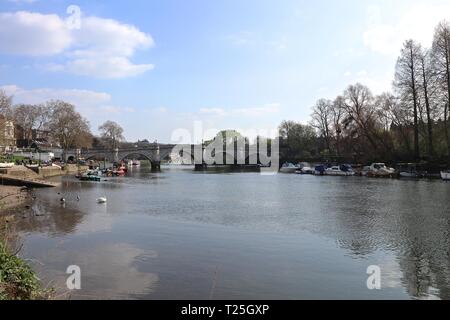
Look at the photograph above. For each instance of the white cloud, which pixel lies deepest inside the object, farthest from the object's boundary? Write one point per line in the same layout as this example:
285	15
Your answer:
80	98
23	1
417	23
101	48
243	112
378	83
34	34
98	36
104	67
213	111
116	110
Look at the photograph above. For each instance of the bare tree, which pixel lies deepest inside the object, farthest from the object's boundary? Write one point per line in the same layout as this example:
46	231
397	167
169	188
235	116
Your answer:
427	89
67	126
112	133
359	112
407	83
441	67
322	120
337	112
30	118
395	117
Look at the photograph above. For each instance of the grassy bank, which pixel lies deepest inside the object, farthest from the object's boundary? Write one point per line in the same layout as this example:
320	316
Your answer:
17	280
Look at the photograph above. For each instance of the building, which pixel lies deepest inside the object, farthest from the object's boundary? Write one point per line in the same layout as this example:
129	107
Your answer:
40	136
7	136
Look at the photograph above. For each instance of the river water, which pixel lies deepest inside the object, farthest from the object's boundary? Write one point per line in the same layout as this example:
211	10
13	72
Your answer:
179	234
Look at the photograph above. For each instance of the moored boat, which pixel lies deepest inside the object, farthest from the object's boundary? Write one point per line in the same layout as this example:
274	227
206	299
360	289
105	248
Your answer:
380	170
307	170
337	171
405	174
91	175
445	175
288	168
319	170
304	168
7	165
348	169
408	170
365	171
86	177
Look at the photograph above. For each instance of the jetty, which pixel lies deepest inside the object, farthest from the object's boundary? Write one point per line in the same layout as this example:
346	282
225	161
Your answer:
23	177
27	182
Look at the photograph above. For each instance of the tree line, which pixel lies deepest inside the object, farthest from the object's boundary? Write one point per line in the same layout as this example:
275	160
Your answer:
410	123
59	122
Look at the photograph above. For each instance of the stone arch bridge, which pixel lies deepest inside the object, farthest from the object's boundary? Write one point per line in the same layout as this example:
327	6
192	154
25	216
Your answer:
155	153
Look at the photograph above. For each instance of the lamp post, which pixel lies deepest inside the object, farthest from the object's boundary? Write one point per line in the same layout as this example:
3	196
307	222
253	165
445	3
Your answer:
78	152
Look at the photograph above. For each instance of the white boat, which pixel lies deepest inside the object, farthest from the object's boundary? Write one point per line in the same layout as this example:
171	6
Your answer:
308	170
336	171
7	165
405	174
96	172
408	170
445	175
380	170
288	168
365	170
304	168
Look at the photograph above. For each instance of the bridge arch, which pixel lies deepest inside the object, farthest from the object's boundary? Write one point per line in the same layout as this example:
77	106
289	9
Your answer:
97	155
136	154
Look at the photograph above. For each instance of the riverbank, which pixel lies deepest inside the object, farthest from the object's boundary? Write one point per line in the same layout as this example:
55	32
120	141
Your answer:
11	197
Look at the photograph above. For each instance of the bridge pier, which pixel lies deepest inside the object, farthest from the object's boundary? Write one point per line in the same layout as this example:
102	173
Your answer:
156	166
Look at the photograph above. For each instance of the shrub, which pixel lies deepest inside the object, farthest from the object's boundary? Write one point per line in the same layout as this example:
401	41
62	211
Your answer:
17	279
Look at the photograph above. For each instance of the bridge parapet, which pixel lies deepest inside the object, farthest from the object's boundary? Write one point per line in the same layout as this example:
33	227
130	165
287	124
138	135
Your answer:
154	153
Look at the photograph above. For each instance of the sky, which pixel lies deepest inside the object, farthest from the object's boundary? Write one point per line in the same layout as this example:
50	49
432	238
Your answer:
159	66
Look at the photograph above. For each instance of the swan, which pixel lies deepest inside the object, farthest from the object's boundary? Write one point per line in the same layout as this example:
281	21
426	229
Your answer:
101	200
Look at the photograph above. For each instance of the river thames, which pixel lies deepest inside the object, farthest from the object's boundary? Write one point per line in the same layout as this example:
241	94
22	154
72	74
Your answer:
180	234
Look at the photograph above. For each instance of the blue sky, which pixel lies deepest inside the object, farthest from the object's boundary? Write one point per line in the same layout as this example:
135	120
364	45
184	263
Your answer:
157	66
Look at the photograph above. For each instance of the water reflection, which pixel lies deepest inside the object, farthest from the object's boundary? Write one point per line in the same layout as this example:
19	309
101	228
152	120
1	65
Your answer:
40	219
164	235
